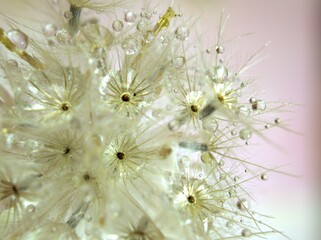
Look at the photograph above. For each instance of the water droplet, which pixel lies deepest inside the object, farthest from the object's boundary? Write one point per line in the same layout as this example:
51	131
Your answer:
130	17
12	63
178	61
18	38
173	125
68	15
246	232
242	111
243	204
142	25
267	126
233	132
229	224
221	163
236	178
30	208
63	36
264	177
182	33
208	50
150	37
220	74
219	49
245	134
210	124
50	30
207	157
252	100
131	46
118	26
277	121
259	105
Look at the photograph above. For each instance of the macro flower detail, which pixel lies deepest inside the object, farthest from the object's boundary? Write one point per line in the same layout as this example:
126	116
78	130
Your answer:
118	122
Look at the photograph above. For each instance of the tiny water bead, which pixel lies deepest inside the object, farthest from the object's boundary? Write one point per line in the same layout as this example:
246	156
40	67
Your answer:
245	134
50	30
277	121
242	111
18	38
210	124
258	105
243	204
130	17
179	61
207	157
68	15
131	46
219	49
264	177
142	25
220	74
182	33
30	208
63	36
246	232
118	25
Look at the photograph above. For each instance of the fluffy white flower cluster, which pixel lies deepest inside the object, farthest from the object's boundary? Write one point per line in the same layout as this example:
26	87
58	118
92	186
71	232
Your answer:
120	128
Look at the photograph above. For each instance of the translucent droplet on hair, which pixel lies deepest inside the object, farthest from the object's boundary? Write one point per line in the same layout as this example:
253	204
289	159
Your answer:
18	38
182	33
264	177
68	15
210	124
242	111
258	105
131	46
178	61
246	232
30	208
118	25
245	134
130	17
50	30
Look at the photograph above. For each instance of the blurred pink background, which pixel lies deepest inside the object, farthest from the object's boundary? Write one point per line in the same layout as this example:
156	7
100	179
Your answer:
291	74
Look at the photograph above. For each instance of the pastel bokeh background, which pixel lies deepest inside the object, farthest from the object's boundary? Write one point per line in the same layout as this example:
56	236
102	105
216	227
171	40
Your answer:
290	74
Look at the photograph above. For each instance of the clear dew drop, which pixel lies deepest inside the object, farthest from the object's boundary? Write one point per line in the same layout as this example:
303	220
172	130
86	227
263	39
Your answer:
277	121
264	177
258	105
219	49
243	204
210	124
68	15
245	134
142	25
50	30
118	25
233	132
18	38
12	63
266	126
246	232
178	61
131	46
130	17
30	208
220	74
207	157
182	33
242	111
63	36
252	100
173	125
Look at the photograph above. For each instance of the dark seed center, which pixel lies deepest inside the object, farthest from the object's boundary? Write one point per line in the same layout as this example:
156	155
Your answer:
120	155
86	177
65	107
191	199
66	150
194	108
125	97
